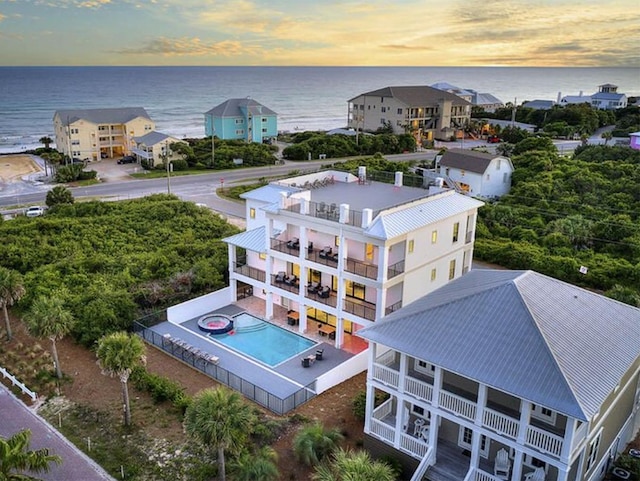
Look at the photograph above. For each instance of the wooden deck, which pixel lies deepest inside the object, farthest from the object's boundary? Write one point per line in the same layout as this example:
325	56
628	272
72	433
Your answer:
452	464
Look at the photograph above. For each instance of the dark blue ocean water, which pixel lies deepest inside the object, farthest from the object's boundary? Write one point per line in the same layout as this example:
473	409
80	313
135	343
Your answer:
305	98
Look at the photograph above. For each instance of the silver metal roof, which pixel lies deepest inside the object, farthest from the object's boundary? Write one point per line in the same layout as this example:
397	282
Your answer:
254	240
152	138
269	193
524	333
102	116
418	214
235	107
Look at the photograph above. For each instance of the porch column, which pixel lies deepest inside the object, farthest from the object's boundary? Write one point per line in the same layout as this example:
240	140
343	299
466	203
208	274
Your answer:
563	473
302	238
475	449
371	357
302	321
403	372
339	332
569	433
383	262
525	416
380	303
231	254
433	434
437	386
269	306
482	402
401	409
518	458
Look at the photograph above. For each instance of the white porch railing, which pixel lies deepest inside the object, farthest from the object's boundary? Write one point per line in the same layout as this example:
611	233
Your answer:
476	474
383	410
425	464
458	405
544	441
387	358
15	382
414	446
419	389
382	430
386	375
501	423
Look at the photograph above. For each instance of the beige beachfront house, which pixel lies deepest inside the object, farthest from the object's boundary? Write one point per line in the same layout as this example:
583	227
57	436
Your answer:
505	376
99	133
155	148
340	250
425	112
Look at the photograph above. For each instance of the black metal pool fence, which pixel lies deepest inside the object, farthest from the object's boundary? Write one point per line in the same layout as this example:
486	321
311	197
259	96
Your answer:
208	365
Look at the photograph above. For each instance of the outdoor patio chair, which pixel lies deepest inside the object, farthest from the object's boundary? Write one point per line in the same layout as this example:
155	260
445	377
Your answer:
405	419
319	354
536	475
502	465
312	287
325	292
280	276
293	243
310	248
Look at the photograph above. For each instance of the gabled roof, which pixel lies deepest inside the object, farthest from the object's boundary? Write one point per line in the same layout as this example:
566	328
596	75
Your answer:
539	104
447	87
409	217
607	96
575	99
523	333
269	193
152	138
415	96
486	99
238	107
469	160
102	116
254	240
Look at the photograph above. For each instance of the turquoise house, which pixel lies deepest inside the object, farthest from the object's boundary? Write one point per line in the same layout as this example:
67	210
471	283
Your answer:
241	119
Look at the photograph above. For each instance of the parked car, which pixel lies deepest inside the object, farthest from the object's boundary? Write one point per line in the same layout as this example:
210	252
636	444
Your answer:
493	139
34	211
104	155
127	159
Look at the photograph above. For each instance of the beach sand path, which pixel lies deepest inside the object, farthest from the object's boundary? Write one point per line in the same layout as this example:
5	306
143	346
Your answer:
14	167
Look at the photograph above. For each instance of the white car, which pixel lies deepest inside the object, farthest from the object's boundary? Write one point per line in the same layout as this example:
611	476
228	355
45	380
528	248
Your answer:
34	211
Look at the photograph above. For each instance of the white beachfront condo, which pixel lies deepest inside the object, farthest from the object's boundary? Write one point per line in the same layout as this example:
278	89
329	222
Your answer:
339	250
505	376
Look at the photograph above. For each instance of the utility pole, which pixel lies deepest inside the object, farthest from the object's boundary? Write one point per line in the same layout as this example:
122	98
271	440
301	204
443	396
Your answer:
213	147
168	166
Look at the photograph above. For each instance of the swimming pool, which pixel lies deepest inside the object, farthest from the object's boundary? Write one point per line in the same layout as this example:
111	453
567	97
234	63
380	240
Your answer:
262	341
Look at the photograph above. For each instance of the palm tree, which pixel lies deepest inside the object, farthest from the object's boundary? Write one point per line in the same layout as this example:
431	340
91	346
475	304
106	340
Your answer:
47	141
353	466
118	354
49	319
59	195
607	136
16	458
11	290
313	443
220	419
260	466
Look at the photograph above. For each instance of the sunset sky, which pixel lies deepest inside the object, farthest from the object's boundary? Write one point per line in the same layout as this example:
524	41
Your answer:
324	32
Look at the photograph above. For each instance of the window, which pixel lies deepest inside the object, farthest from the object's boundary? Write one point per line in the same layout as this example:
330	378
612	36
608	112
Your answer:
411	245
433	275
252	213
74	131
456	231
368	252
353	289
102	127
425	367
263	255
240	132
75	142
147	128
544	414
400	111
434	236
488	177
505	178
239	121
336	240
383	109
264	131
462	172
383	121
592	452
264	119
498	164
452	269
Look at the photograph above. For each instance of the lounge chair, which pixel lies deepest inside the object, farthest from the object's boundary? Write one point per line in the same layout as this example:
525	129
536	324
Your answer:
312	287
280	276
319	354
293	243
537	474
325	292
326	252
305	362
502	465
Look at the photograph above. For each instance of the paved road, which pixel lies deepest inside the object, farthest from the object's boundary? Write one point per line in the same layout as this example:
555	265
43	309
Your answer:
76	466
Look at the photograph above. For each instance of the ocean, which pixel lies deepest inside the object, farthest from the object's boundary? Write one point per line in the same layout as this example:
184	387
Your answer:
305	98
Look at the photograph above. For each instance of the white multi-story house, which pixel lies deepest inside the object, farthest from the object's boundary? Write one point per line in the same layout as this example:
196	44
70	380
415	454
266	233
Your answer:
155	148
425	112
97	133
477	173
504	376
607	98
340	251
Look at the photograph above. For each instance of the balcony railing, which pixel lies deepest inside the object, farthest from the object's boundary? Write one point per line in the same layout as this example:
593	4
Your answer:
293	286
544	441
249	271
288	247
395	269
330	300
330	260
360	310
501	423
419	389
458	405
414	446
382	430
386	375
321	210
476	474
393	307
361	268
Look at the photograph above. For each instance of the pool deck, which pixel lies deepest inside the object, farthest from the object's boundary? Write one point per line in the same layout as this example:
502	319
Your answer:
281	380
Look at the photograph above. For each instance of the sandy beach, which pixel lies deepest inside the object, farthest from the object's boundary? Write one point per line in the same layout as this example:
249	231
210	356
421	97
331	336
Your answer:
14	167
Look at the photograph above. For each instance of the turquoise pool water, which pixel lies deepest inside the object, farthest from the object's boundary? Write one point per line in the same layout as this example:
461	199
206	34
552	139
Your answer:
262	341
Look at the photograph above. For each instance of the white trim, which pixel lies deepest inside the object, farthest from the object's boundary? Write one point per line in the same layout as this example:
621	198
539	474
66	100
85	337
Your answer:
536	412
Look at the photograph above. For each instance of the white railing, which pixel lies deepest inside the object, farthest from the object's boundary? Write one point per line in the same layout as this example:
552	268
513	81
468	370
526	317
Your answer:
384	409
14	382
382	430
425	464
419	389
386	375
501	423
458	405
387	358
414	446
544	441
476	474
580	435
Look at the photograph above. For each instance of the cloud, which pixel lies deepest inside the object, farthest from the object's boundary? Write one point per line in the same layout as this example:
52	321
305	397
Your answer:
168	47
424	48
2	17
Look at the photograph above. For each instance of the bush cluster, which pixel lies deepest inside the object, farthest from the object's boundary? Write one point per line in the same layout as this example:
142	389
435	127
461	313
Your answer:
160	388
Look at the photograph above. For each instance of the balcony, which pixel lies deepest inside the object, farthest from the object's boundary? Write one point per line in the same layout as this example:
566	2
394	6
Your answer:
320	210
287	282
321	294
392	308
252	272
325	256
360	308
420	387
395	269
291	247
360	268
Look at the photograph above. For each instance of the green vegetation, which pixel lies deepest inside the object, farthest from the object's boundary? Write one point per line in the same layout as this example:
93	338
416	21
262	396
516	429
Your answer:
11	291
59	195
114	262
337	146
17	461
313	443
353	466
564	213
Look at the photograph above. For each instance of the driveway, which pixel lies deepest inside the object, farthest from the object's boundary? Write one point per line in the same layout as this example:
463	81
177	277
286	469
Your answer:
76	466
